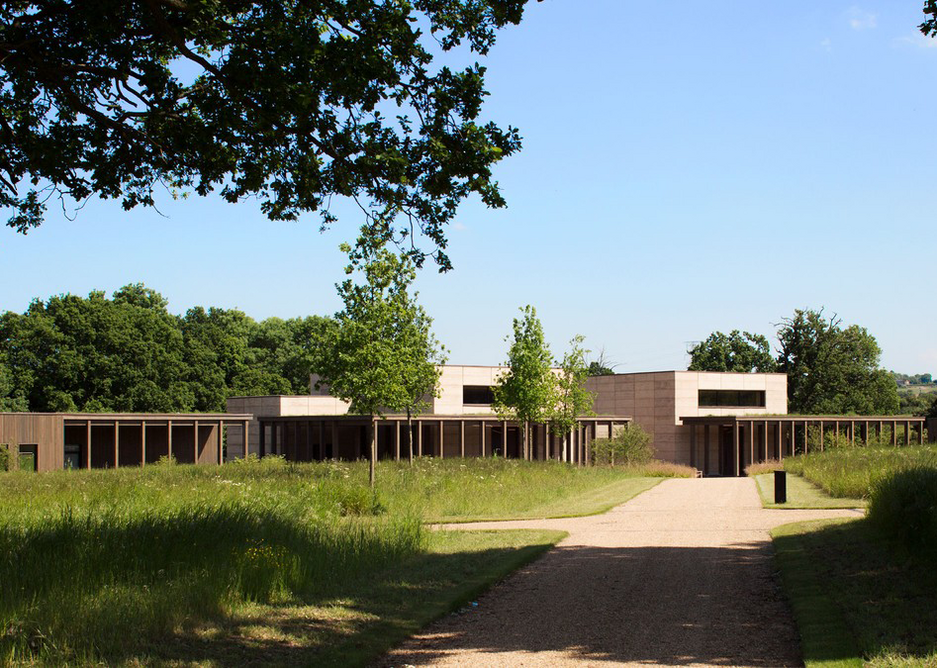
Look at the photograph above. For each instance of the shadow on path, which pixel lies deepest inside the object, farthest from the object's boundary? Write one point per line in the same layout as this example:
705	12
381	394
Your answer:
660	605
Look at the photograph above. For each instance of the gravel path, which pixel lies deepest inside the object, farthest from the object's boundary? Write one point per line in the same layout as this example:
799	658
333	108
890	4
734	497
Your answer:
680	575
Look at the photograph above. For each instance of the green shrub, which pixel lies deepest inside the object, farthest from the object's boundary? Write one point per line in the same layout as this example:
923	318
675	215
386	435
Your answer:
356	500
904	506
632	445
9	457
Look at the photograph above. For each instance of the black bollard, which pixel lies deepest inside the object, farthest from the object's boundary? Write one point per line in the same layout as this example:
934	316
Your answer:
780	486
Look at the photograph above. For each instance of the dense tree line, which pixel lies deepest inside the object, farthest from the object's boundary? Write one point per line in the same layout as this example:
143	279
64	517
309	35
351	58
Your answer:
128	353
913	378
830	368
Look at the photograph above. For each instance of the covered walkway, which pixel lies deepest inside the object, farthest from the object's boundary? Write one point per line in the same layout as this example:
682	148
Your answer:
315	438
725	445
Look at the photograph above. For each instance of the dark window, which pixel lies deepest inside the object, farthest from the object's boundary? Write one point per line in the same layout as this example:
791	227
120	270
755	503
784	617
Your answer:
28	458
478	395
731	398
72	456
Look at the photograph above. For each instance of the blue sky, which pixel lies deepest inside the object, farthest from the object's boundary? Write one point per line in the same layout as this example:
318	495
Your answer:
682	173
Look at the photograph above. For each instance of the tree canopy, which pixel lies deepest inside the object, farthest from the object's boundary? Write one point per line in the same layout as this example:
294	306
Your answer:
737	351
831	369
128	353
293	103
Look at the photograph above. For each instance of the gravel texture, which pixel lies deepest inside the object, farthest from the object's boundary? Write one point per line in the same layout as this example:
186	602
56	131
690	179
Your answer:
681	575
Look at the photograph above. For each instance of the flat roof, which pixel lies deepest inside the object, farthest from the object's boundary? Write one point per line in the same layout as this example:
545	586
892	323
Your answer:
424	417
723	419
139	416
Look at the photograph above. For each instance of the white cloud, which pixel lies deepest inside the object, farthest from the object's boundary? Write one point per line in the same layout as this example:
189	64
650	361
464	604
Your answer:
917	40
458	226
860	19
827	45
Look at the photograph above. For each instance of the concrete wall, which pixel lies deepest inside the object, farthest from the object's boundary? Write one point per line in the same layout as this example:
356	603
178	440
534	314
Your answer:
451	381
657	401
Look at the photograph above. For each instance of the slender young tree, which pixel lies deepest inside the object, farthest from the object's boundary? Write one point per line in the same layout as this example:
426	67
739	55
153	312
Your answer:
572	397
378	357
419	356
526	392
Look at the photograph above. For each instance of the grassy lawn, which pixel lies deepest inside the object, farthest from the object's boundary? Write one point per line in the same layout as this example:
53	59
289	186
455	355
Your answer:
264	562
857	599
801	494
461	490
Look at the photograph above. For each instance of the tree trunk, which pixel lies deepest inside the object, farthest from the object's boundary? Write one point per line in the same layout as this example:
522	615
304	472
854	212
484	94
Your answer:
410	436
371	468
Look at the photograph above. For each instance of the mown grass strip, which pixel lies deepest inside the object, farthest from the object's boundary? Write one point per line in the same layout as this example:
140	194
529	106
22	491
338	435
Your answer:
857	594
801	494
825	638
590	502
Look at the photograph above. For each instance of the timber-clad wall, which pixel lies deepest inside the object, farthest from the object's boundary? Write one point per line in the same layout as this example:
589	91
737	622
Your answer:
43	431
107	440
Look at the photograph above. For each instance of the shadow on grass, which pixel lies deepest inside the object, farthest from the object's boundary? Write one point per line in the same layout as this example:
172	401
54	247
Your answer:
358	621
104	585
848	582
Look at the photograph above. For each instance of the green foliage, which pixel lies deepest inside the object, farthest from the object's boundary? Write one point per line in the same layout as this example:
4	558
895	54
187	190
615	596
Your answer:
97	354
9	457
380	355
630	446
128	353
526	392
572	398
904	506
912	379
292	103
916	403
597	369
601	365
831	370
737	351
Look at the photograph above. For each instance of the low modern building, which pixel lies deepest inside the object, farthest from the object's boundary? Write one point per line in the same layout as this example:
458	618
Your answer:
460	422
50	441
716	422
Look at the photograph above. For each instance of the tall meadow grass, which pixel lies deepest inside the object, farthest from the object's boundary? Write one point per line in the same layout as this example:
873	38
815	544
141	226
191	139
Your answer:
854	471
96	564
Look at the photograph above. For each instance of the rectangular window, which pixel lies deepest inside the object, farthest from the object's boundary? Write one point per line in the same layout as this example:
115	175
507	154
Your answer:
477	395
731	398
72	456
29	457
